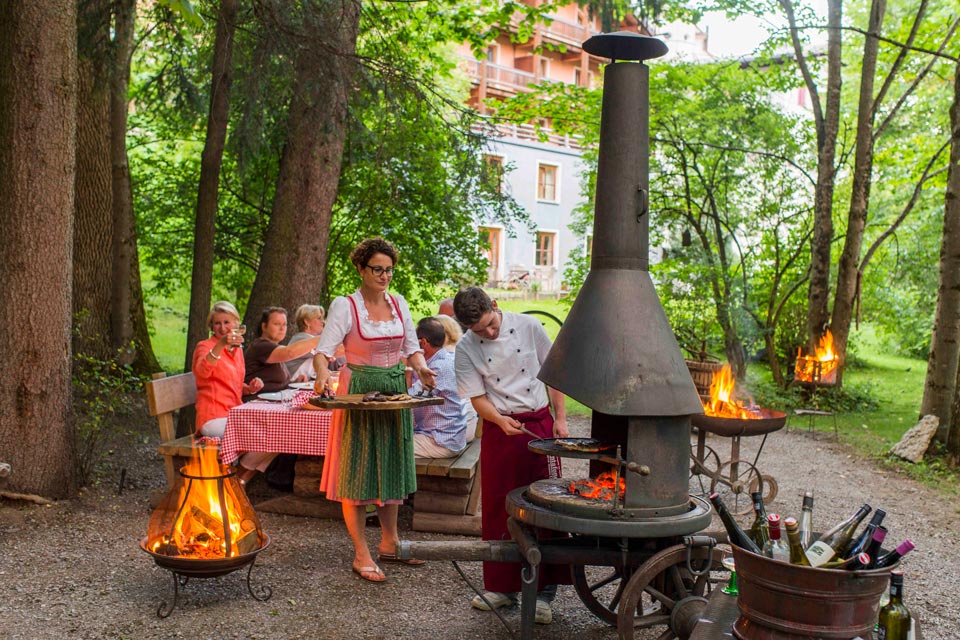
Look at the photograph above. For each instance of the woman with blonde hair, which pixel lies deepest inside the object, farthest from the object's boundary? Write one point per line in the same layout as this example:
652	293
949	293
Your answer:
452	330
219	370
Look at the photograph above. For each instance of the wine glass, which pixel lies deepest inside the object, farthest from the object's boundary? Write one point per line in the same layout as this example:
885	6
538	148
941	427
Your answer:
238	331
731	588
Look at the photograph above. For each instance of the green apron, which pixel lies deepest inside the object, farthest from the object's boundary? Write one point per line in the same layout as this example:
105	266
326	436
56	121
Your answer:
376	447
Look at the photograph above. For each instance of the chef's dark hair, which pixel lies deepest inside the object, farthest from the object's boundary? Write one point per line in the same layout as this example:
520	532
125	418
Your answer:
470	305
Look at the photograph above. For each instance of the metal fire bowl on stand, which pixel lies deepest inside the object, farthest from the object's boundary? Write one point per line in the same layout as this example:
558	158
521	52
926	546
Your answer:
204	568
548	504
771	421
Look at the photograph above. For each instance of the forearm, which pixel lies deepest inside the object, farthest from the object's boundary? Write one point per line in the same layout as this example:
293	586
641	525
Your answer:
557	403
486	410
292	351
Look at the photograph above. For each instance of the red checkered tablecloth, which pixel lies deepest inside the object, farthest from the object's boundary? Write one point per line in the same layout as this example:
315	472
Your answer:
274	426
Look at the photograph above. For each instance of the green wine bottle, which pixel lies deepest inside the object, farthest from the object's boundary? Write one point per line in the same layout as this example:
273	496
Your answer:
759	531
894	623
793	537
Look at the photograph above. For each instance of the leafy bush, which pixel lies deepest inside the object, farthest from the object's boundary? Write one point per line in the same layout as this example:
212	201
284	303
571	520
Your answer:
102	396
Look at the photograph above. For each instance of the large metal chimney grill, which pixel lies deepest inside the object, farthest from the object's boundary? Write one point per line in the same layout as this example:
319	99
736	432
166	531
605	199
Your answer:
634	561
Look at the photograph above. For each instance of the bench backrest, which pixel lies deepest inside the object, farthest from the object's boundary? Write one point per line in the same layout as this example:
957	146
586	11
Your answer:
167	394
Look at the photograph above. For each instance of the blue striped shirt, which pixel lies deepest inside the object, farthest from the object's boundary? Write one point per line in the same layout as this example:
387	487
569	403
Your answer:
446	423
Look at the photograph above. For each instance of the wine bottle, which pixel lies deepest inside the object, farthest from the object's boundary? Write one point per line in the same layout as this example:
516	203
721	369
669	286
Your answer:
805	527
775	547
855	562
828	545
734	533
894	556
894	622
793	538
861	542
759	530
873	550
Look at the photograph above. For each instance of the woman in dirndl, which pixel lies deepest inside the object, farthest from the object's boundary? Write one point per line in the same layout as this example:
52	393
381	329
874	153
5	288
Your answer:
370	453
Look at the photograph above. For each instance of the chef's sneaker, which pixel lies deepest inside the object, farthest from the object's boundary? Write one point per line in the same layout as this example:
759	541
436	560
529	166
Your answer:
495	599
544	613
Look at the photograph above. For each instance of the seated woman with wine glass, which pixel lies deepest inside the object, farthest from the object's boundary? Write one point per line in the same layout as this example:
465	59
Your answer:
219	370
266	356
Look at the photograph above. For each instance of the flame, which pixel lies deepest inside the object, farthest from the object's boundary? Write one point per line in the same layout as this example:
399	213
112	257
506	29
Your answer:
198	531
723	402
820	367
600	488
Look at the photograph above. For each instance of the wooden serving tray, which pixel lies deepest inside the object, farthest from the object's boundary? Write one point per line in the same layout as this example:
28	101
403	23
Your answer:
355	401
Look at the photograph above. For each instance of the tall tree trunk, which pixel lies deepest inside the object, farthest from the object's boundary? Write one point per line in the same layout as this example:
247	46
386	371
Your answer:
208	190
828	127
93	217
123	225
201	283
128	319
38	111
293	263
941	387
848	270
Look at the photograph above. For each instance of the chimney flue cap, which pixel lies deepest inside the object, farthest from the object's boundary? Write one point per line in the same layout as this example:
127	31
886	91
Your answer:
625	45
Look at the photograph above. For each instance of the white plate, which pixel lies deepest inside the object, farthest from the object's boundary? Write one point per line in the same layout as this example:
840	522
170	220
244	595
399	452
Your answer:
273	396
301	385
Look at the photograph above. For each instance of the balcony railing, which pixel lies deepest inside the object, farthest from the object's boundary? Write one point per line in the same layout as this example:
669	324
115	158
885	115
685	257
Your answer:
568	32
528	132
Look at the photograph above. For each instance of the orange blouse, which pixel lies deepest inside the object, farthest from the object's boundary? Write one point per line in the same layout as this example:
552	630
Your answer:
219	384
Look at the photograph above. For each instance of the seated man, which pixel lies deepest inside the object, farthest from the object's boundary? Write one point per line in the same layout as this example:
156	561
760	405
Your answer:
439	431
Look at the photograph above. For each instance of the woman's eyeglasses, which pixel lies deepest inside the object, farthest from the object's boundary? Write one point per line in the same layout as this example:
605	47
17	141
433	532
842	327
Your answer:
379	271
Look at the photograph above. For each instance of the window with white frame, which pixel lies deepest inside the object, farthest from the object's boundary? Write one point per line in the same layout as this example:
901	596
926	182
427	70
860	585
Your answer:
546	246
493	172
547	175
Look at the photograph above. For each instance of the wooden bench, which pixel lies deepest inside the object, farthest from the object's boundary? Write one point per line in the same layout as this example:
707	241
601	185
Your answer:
813	414
448	493
164	396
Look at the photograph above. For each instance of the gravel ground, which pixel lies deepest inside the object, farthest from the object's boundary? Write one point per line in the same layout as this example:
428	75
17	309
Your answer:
74	569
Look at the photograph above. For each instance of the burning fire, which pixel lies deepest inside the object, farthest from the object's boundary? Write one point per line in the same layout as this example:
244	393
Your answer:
600	488
723	402
820	367
190	521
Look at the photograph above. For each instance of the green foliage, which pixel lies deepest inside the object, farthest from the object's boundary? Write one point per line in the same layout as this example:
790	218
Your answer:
103	391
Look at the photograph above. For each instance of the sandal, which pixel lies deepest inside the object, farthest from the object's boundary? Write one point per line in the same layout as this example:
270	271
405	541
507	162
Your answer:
392	557
366	573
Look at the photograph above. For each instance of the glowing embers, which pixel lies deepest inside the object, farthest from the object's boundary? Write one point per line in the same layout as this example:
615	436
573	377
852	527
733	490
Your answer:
599	488
821	367
206	515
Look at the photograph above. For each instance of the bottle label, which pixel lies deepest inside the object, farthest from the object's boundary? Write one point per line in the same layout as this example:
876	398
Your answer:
819	553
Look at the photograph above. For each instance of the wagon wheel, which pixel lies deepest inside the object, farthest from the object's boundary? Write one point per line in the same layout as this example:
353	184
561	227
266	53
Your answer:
770	487
601	588
707	467
733	481
663	592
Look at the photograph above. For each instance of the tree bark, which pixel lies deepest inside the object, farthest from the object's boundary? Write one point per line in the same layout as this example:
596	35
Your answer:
38	111
848	269
292	267
208	190
940	389
827	121
123	224
93	217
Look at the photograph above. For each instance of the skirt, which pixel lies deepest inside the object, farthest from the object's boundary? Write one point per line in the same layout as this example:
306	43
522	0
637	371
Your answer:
370	459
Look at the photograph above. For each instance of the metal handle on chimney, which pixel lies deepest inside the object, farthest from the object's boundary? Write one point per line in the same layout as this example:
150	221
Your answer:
641	204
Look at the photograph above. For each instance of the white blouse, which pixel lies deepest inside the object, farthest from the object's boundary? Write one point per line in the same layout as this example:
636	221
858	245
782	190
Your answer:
369	348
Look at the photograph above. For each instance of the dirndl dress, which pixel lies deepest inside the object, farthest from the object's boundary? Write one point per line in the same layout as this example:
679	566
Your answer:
370	453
